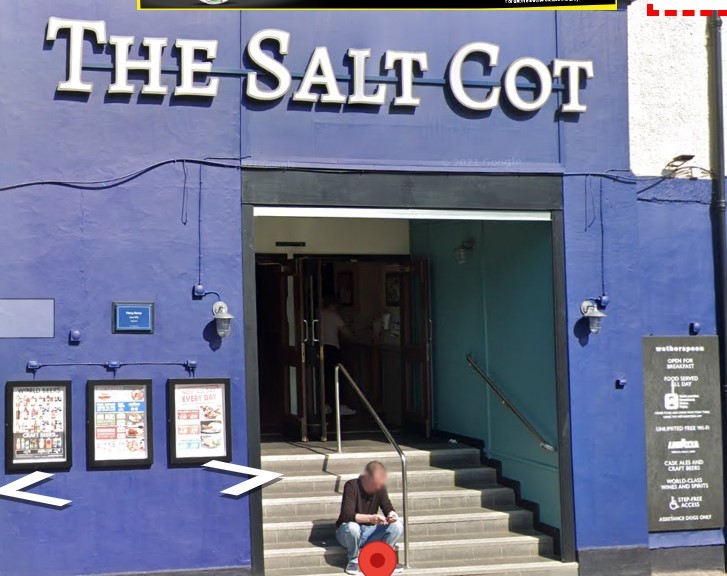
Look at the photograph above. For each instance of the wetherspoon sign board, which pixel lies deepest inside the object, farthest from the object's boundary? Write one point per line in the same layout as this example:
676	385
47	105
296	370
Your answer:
37	425
683	433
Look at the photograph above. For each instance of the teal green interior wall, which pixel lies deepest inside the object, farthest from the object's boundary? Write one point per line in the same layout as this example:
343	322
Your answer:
498	307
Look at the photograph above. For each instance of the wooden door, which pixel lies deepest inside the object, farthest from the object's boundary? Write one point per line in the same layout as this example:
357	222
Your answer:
416	345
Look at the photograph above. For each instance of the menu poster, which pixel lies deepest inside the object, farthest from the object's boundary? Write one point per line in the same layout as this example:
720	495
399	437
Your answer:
37	425
683	433
199	420
119	422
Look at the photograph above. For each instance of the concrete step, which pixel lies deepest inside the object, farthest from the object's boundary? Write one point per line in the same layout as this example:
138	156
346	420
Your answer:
423	524
327	505
442	549
511	567
420	477
353	460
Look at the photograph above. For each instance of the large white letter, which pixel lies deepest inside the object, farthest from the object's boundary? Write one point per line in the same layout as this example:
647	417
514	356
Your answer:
455	75
544	78
320	60
76	28
189	67
359	96
269	64
406	81
152	66
574	68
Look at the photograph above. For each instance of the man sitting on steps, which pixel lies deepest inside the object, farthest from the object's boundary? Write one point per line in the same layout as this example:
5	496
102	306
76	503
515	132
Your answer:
360	522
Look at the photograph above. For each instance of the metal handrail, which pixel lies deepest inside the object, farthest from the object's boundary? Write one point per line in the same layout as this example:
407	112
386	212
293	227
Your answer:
404	470
545	445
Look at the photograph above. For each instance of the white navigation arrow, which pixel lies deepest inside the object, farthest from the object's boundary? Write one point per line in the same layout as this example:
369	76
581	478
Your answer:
15	490
259	477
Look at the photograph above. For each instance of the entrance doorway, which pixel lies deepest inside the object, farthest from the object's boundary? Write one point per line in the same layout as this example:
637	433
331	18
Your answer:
382	303
421	298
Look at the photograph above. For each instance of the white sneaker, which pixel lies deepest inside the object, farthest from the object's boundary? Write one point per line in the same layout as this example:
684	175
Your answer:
398	569
347	410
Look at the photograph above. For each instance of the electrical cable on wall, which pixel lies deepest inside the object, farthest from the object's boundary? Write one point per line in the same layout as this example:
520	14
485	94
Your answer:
224	162
608	175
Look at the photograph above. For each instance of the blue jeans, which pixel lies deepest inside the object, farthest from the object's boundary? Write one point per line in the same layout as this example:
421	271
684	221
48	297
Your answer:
353	536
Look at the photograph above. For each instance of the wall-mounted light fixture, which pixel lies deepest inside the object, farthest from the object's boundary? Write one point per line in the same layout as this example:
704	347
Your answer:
590	310
223	318
676	166
462	251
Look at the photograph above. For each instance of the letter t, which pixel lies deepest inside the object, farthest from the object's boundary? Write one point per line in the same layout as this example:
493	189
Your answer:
77	29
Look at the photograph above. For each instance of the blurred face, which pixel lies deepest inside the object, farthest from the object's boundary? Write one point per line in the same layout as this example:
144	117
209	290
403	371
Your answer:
377	480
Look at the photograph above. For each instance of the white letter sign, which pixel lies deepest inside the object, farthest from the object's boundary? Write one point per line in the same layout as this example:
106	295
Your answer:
76	30
269	64
455	75
406	81
544	79
320	60
573	67
153	65
270	79
188	49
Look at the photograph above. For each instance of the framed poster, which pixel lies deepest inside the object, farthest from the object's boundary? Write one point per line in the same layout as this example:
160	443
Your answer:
119	423
393	289
344	283
133	318
37	425
199	420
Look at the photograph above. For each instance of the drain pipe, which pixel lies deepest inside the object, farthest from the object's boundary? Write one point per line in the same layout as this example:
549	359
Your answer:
719	228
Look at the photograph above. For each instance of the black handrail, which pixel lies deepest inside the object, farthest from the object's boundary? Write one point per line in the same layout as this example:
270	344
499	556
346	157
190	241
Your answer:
501	395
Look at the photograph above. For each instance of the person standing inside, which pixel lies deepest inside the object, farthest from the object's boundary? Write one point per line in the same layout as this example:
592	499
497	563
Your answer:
360	521
332	329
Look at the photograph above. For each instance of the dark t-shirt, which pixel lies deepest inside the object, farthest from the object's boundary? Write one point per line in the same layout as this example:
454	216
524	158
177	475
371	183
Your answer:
357	501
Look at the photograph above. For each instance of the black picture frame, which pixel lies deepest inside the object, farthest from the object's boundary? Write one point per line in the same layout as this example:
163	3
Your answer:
13	413
392	287
116	329
345	292
195	454
94	460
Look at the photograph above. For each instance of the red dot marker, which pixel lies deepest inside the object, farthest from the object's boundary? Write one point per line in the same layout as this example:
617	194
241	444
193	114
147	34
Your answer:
377	559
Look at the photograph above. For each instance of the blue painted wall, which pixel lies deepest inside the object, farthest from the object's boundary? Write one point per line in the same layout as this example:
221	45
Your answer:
89	248
130	242
498	306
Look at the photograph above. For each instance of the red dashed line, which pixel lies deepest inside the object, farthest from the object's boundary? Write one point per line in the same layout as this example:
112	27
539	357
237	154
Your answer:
651	11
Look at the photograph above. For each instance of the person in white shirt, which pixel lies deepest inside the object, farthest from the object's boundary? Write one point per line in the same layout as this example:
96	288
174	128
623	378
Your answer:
332	328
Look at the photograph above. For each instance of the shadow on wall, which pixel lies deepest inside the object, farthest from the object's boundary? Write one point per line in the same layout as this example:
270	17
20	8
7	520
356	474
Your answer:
582	331
211	337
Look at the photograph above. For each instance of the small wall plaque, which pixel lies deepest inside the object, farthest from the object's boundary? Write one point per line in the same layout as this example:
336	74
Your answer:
133	318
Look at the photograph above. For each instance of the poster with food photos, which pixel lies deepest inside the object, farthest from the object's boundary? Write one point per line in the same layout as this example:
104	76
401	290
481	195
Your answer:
199	414
119	422
38	425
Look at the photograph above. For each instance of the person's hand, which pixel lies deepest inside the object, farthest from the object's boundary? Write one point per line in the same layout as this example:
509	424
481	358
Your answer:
393	517
377	519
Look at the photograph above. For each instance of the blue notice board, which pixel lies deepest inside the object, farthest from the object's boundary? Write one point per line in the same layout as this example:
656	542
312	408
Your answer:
133	317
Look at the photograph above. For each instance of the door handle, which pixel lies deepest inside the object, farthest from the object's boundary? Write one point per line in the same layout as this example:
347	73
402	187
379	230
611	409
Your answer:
305	331
316	323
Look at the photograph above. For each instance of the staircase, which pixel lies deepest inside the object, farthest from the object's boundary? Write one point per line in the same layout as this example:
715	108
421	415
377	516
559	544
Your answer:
461	522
